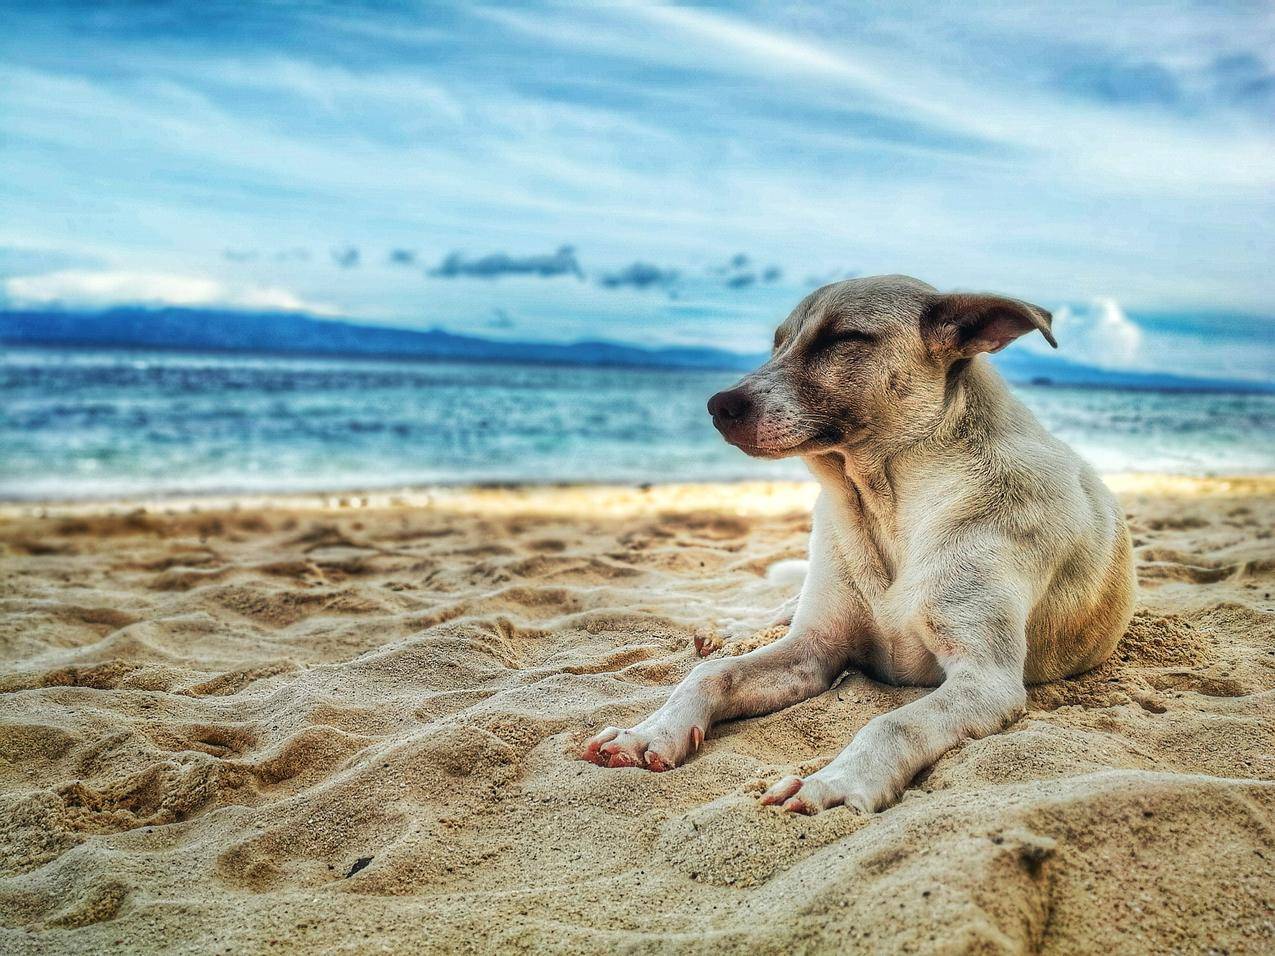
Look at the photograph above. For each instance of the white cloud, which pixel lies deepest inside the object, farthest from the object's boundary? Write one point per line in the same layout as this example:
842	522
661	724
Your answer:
84	289
1099	334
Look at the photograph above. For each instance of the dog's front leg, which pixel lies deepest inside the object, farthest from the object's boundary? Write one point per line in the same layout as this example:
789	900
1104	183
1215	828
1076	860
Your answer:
982	692
792	669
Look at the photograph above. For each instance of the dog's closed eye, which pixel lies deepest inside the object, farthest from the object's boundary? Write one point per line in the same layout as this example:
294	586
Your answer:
835	337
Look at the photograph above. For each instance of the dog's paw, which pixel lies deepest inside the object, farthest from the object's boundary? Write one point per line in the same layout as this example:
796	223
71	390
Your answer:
656	749
708	640
739	637
814	793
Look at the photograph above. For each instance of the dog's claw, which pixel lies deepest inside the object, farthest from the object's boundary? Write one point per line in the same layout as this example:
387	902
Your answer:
655	763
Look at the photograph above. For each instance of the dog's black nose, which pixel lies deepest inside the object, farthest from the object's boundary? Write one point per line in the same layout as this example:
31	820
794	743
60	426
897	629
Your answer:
729	406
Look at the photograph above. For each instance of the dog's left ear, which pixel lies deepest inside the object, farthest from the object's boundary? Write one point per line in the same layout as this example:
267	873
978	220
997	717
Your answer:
962	324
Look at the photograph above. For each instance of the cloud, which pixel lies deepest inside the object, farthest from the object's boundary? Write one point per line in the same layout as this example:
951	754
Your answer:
347	257
74	289
736	262
639	275
1243	79
562	262
1099	333
740	273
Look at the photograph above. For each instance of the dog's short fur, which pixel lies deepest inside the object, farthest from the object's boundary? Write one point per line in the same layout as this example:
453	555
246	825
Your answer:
955	544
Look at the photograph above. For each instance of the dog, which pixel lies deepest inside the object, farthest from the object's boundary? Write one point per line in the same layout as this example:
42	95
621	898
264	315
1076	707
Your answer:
955	543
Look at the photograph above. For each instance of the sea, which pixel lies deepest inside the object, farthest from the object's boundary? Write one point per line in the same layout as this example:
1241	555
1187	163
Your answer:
84	424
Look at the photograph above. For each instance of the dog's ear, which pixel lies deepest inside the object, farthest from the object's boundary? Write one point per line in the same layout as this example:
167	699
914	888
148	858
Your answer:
962	324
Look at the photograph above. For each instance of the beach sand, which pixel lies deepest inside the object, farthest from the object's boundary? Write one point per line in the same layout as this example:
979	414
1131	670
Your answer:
351	725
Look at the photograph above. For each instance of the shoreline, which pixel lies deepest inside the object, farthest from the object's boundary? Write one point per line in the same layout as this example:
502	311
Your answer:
753	496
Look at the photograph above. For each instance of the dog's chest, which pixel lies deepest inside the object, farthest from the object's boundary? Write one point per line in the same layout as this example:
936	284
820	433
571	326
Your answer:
891	643
892	646
866	548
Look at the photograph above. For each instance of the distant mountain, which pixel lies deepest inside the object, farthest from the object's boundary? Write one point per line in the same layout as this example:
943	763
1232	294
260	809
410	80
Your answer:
1027	368
211	330
288	333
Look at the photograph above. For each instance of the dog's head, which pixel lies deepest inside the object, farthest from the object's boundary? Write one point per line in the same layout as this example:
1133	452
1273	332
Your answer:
865	360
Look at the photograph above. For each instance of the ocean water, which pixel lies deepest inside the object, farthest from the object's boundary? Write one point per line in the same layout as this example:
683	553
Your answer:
85	424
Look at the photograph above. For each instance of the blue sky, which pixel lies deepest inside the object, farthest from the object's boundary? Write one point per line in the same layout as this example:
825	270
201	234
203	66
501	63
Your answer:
646	173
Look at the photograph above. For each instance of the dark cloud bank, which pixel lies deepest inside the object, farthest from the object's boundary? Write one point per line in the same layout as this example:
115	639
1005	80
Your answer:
560	263
639	275
739	272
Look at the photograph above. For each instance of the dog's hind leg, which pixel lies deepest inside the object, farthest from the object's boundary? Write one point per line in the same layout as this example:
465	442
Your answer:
792	669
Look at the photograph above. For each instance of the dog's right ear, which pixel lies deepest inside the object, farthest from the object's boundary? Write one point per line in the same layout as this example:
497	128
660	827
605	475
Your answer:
962	324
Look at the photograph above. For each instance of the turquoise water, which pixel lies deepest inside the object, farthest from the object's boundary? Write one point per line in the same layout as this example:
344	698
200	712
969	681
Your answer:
81	424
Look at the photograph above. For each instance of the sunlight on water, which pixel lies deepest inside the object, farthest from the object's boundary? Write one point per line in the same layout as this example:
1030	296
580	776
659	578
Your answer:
88	424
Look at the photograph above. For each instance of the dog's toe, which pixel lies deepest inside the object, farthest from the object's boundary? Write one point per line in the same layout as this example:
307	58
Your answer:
593	746
797	805
617	758
781	791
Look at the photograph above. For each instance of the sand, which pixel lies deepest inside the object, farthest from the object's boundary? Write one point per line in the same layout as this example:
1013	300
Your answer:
351	725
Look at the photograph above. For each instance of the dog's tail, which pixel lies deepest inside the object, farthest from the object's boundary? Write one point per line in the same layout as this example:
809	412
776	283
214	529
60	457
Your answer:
791	572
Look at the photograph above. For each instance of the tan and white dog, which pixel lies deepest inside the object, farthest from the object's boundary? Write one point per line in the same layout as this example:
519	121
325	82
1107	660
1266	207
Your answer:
955	544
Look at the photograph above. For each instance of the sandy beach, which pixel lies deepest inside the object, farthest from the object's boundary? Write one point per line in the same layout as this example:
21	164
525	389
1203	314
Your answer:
351	724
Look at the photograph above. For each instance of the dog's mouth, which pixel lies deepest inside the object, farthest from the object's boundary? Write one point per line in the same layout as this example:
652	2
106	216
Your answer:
820	440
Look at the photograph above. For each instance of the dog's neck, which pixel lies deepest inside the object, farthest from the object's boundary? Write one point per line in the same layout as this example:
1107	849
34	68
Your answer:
867	476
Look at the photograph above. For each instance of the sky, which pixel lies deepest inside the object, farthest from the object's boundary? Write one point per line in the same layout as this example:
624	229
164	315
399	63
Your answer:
650	174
